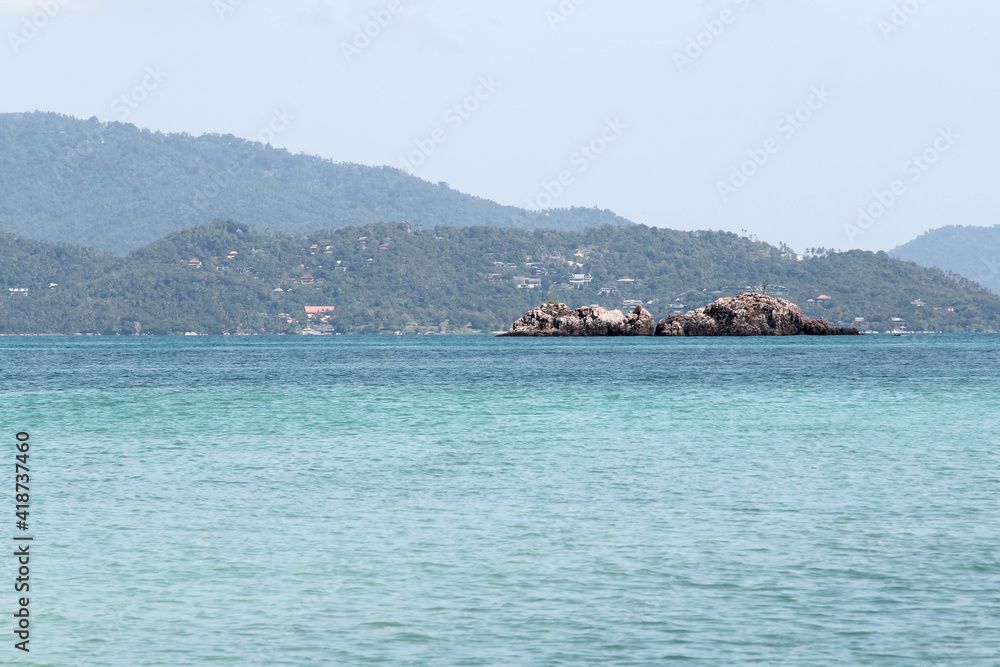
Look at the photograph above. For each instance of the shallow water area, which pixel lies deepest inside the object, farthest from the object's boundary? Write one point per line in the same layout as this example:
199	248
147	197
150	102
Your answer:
480	501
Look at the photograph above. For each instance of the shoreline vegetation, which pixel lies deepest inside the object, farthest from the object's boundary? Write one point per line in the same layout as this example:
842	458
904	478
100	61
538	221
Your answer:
742	315
228	278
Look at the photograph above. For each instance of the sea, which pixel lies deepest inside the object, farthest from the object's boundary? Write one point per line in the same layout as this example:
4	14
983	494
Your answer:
471	500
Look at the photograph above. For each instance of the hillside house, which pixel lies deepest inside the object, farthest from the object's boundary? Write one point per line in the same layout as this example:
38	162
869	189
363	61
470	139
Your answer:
313	311
578	280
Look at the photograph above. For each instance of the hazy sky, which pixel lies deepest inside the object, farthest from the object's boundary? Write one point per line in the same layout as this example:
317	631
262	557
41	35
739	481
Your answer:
779	117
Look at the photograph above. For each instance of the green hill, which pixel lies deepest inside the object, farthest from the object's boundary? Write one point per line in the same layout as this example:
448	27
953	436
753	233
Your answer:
114	187
392	277
972	252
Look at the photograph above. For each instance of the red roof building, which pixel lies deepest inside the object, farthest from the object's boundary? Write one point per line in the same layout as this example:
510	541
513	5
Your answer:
318	310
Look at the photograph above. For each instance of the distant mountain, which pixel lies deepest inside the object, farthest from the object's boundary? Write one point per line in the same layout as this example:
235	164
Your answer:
114	187
971	252
381	278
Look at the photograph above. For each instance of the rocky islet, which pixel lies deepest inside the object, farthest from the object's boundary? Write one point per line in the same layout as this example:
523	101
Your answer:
744	315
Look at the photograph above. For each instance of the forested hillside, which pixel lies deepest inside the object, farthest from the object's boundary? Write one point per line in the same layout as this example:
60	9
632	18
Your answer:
114	187
387	277
972	252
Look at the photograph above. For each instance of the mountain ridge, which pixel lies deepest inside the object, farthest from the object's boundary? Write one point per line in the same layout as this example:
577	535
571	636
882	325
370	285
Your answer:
115	187
967	250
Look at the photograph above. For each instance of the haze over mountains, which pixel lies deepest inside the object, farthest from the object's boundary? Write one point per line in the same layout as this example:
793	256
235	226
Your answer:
972	252
115	187
458	263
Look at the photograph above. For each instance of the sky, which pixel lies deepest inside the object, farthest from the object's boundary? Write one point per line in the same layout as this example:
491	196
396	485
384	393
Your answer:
828	123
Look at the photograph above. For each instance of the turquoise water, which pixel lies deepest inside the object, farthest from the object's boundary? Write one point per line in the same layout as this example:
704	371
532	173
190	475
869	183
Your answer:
483	501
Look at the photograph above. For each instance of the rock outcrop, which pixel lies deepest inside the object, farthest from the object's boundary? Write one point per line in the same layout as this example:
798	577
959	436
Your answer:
558	319
743	315
748	315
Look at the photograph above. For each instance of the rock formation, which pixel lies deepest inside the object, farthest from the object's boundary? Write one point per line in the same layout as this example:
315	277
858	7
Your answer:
743	315
748	315
558	319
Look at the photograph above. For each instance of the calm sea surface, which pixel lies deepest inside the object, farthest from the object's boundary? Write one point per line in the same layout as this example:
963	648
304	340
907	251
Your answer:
482	501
